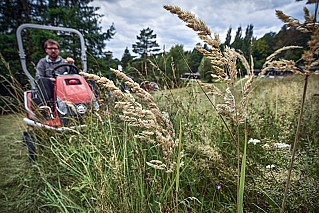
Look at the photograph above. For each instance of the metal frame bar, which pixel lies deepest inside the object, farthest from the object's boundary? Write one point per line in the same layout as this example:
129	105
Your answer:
44	27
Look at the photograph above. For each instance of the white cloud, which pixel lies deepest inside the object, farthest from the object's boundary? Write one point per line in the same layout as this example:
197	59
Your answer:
131	16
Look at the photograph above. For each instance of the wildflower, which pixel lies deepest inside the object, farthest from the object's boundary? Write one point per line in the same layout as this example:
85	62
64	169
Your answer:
270	166
281	145
218	187
254	141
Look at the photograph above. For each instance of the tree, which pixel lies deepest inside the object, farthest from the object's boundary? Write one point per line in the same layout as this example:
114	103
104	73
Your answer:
12	14
237	43
126	58
228	37
246	45
67	13
79	15
170	66
145	45
176	65
194	59
290	36
243	44
205	70
263	47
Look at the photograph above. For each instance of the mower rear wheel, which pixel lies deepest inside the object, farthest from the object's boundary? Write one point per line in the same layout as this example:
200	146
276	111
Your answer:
29	141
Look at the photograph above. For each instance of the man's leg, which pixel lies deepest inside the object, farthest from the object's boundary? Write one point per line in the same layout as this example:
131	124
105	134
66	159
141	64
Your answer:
46	86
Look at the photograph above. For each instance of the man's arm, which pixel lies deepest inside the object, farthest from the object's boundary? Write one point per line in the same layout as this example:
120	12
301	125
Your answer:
40	69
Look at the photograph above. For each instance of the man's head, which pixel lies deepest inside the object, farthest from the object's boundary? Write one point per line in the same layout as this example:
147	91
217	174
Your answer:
52	48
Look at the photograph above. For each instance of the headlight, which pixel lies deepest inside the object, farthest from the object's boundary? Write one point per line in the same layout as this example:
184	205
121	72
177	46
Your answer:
62	107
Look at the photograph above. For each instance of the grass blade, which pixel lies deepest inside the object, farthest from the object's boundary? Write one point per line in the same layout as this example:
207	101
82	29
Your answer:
242	178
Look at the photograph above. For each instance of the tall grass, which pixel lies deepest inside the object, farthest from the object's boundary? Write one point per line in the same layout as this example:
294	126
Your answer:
233	108
182	150
107	168
224	63
310	58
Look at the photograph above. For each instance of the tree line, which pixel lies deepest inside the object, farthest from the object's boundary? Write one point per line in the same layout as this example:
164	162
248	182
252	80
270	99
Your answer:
150	63
77	14
168	67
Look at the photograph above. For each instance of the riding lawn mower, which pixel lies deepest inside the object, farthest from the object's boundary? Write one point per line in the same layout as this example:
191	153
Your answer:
74	97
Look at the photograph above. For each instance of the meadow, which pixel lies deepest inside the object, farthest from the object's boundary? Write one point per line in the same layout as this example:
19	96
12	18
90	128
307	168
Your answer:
235	145
108	168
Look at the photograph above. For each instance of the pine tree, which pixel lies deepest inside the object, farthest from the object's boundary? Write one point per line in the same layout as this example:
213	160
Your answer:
246	46
145	46
146	43
228	37
13	14
126	58
247	43
237	43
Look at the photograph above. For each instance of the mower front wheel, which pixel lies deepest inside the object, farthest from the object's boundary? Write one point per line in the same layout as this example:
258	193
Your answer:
29	141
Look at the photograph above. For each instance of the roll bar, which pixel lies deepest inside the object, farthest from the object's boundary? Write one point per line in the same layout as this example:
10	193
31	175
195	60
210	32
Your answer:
44	27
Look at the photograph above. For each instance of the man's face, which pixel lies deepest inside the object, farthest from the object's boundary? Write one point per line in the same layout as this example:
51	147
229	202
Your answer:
53	51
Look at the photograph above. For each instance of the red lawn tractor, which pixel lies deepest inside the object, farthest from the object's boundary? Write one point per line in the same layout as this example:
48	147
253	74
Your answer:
73	96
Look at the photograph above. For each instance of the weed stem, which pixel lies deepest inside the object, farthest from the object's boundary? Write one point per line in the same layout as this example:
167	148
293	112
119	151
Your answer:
295	144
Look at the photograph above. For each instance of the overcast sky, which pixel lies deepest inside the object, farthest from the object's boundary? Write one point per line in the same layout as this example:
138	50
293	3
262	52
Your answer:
131	16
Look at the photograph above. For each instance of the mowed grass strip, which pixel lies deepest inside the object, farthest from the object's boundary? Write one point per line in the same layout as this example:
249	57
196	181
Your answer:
13	162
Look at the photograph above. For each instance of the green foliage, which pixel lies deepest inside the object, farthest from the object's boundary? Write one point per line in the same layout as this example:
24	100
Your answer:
146	43
228	37
244	45
205	70
126	58
166	69
270	42
170	66
74	14
263	47
237	43
145	46
194	60
103	168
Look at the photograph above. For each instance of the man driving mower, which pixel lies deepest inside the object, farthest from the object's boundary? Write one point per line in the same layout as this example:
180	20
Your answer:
60	99
44	76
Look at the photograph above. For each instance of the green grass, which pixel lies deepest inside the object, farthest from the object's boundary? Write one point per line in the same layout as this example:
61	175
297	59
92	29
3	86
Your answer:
14	164
103	168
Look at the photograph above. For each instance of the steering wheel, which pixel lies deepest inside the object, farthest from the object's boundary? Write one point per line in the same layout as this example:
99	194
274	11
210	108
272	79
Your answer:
72	69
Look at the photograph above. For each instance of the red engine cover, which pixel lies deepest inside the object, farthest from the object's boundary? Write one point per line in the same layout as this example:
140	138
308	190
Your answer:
74	89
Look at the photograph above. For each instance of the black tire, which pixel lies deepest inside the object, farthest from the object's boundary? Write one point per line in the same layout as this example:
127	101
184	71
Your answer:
29	141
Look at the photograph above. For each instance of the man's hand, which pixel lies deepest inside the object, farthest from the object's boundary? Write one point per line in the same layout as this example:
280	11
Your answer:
70	60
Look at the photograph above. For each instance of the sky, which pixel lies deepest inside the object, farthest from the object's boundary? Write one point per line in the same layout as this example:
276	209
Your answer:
132	16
